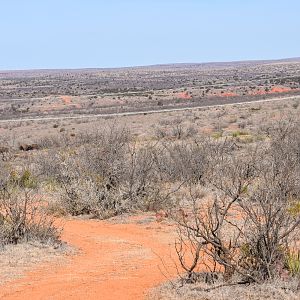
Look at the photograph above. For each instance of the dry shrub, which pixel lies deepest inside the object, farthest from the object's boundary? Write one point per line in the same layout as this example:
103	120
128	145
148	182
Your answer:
22	215
108	174
247	233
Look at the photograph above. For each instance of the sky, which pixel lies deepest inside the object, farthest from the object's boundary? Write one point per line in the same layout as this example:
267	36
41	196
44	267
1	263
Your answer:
44	34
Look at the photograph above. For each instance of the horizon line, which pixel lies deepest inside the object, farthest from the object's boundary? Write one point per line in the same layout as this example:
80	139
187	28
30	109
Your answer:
155	65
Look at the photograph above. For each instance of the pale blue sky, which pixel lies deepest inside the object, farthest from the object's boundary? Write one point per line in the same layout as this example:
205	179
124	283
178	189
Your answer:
114	33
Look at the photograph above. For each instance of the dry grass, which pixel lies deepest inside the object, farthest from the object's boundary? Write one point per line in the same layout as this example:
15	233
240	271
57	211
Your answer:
276	290
15	260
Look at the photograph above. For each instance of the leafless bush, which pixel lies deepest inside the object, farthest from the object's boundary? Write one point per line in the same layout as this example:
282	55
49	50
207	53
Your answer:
107	175
176	131
5	153
22	215
180	161
160	132
251	224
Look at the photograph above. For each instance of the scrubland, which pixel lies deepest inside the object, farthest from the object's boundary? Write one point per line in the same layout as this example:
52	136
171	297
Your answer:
225	180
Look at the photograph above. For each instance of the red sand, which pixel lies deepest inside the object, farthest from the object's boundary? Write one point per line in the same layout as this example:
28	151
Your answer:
116	261
274	90
184	95
229	94
66	99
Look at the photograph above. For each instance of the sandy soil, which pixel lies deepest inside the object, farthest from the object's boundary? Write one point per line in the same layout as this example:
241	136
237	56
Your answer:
116	260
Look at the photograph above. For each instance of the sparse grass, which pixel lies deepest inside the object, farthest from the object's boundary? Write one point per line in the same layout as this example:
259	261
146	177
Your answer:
273	290
217	135
294	208
238	133
292	261
15	260
246	139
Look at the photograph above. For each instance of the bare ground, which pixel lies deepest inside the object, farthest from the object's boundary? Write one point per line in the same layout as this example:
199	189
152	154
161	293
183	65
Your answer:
116	260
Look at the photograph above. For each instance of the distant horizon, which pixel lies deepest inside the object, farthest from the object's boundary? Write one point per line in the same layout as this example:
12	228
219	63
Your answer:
77	34
158	64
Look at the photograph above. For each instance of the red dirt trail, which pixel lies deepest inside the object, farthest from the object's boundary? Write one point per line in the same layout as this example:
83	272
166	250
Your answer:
115	261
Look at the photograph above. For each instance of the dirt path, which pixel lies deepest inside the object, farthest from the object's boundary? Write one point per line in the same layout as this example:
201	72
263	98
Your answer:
115	261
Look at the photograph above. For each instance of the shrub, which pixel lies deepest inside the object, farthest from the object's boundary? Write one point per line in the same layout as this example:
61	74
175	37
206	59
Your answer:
109	175
22	215
249	226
